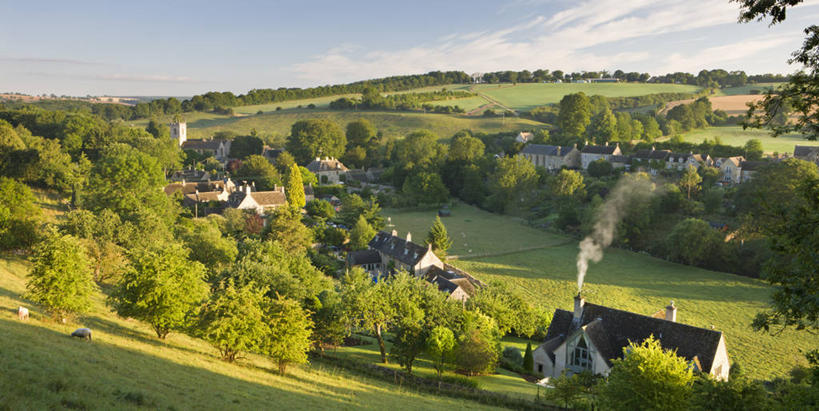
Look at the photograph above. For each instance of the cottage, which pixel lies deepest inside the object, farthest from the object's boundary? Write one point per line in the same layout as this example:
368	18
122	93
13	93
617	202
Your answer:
681	161
551	157
807	153
591	336
191	187
591	153
327	169
260	201
620	162
219	149
368	260
730	169
190	175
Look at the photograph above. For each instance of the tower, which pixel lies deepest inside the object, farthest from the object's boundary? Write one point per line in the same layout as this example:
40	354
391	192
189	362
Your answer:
179	132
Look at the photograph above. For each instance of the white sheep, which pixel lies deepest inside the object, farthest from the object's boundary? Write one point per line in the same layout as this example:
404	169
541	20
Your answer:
22	313
82	333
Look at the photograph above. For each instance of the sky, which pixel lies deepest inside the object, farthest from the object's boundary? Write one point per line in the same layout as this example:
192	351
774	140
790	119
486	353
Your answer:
181	48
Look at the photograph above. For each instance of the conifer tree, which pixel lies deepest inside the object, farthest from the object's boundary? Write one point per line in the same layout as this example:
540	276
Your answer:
439	238
528	359
295	189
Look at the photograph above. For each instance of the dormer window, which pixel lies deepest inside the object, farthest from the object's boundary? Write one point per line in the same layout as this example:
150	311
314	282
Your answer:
581	357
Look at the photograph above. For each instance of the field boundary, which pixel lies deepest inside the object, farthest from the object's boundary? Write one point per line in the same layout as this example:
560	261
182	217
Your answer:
508	252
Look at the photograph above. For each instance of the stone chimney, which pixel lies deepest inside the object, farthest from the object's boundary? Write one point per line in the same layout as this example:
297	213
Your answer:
247	189
409	237
671	312
394	233
578	308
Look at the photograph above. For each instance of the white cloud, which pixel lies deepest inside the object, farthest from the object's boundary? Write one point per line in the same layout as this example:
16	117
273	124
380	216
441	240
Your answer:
727	55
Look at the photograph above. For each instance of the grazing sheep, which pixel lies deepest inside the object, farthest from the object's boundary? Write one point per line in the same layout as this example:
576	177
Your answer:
22	313
82	333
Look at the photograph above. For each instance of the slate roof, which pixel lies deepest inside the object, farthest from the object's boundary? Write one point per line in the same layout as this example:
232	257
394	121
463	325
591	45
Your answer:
363	257
620	159
190	175
202	144
546	150
752	165
399	249
203	197
804	151
652	154
192	187
591	149
611	330
325	164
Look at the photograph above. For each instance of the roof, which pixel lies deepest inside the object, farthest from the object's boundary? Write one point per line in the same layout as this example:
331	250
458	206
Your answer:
683	156
202	144
325	164
611	330
546	150
592	149
262	198
204	197
804	151
363	257
752	165
620	159
652	154
406	252
190	175
192	187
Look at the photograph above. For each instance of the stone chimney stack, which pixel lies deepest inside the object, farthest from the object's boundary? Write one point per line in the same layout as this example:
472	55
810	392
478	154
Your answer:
247	189
578	308
409	237
394	233
671	312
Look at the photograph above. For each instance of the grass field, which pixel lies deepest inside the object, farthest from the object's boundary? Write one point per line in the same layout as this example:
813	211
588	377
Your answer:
320	102
526	96
126	367
746	89
624	280
736	136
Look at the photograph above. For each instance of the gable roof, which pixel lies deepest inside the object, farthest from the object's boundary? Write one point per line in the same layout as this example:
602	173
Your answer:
202	144
363	257
399	249
607	149
652	154
262	198
193	187
547	150
325	164
611	330
805	151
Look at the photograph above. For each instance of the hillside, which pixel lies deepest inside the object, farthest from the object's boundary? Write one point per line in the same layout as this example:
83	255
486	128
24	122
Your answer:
623	280
736	136
126	367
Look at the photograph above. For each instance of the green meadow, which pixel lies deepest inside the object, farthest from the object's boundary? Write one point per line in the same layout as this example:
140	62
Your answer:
736	136
746	89
546	274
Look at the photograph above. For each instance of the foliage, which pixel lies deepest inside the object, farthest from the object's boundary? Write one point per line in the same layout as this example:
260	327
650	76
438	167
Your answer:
511	183
60	279
528	359
286	228
361	234
647	378
368	305
295	189
690	181
288	338
600	168
440	346
478	345
509	310
206	244
438	238
19	215
315	138
424	188
694	242
101	235
575	114
242	147
737	394
566	183
320	208
753	150
232	320
258	170
161	287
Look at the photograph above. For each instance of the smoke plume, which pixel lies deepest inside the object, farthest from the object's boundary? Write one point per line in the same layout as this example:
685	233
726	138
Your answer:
631	189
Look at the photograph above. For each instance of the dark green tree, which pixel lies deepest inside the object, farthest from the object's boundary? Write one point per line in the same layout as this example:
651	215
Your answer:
438	238
244	146
315	138
233	320
258	170
574	115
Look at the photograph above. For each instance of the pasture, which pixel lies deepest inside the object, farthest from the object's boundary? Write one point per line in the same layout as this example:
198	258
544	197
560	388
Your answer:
736	136
623	280
746	89
126	367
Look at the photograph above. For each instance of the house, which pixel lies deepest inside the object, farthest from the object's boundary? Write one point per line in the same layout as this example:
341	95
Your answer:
551	157
328	170
651	159
190	175
459	288
620	162
591	153
807	153
591	336
681	161
190	187
730	169
524	137
747	169
219	149
260	201
368	260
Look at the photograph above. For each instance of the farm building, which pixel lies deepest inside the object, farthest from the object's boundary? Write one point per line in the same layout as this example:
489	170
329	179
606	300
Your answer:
591	336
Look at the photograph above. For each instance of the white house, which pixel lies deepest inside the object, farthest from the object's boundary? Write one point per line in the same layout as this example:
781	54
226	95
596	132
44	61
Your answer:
259	201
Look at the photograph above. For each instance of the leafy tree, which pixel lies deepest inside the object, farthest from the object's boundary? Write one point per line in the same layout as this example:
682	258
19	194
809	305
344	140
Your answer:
466	148
244	146
258	170
603	127
684	115
694	242
285	226
574	115
233	320
60	278
361	234
100	234
419	148
284	162
647	378
330	321
440	346
288	338
206	244
600	168
511	183
295	189
690	181
307	178
320	208
478	346
598	104
509	309
528	359
566	183
738	393
368	305
568	389
19	215
473	190
360	133
709	175
425	188
161	287
315	138
438	238
753	150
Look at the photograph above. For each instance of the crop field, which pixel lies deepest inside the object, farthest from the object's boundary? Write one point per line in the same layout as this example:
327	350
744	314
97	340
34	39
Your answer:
623	280
734	105
320	102
126	367
526	96
736	136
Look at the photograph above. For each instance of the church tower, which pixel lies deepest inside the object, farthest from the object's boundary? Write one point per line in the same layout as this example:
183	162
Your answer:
179	132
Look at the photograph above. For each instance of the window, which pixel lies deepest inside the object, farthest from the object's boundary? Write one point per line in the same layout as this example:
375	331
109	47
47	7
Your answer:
581	357
540	368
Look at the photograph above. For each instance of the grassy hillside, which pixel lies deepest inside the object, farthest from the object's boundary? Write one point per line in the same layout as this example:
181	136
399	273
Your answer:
126	367
746	89
736	136
623	280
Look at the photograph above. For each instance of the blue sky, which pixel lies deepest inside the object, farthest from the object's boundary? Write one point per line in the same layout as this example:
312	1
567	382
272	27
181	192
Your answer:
183	47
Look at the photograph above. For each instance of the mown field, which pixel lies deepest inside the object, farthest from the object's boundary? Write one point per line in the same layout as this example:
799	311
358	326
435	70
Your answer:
736	136
126	367
624	280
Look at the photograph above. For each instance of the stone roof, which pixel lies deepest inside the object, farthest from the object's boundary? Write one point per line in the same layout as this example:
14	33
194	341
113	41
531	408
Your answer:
204	197
805	151
190	175
737	160
652	154
363	257
202	144
592	149
399	249
620	159
611	330
192	187
752	165
325	164
546	150
262	198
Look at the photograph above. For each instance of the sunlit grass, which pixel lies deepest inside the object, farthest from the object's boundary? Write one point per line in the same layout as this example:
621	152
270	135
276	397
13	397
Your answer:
736	136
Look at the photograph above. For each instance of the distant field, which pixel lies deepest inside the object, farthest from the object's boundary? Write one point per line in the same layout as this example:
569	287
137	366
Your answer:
734	105
746	89
320	102
466	103
526	96
623	280
736	136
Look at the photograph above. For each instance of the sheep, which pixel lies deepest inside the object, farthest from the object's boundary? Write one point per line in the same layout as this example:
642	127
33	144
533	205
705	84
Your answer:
82	333
22	313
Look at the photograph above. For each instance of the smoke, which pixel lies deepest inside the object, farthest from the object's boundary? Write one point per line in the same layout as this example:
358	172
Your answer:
631	189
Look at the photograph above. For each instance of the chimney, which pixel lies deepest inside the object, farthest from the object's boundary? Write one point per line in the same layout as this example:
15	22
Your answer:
247	189
578	308
671	312
409	237
394	233
606	144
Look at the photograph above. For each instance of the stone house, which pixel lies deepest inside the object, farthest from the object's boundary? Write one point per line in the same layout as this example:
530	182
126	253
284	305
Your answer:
591	153
328	170
260	201
591	336
551	157
747	169
807	153
219	149
191	187
730	169
190	175
681	161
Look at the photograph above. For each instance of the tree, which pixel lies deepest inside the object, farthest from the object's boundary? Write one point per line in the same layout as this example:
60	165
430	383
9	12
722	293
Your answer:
233	320
566	183
368	305
466	148
206	244
258	170
361	234
574	115
528	359
244	146
511	183
284	161
440	345
289	328
101	235
739	394
693	242
419	148
479	346
438	238
425	188
753	150
60	278
603	127
600	168
19	215
648	377
295	189
690	181
161	287
315	138
509	310
285	226
320	208
360	133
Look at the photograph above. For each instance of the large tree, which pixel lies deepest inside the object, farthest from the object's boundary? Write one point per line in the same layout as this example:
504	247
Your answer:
243	146
361	234
690	181
295	189
360	133
285	227
438	238
440	347
289	329
315	138
233	320
603	127
19	215
574	115
258	170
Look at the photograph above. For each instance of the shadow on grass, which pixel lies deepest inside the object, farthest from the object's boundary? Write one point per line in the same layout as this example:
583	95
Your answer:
110	327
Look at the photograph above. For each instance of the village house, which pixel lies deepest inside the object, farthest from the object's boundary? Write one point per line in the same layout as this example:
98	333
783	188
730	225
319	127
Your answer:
328	170
730	169
620	162
591	153
591	336
747	169
807	153
191	187
190	175
551	157
524	137
262	202
217	148
681	161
